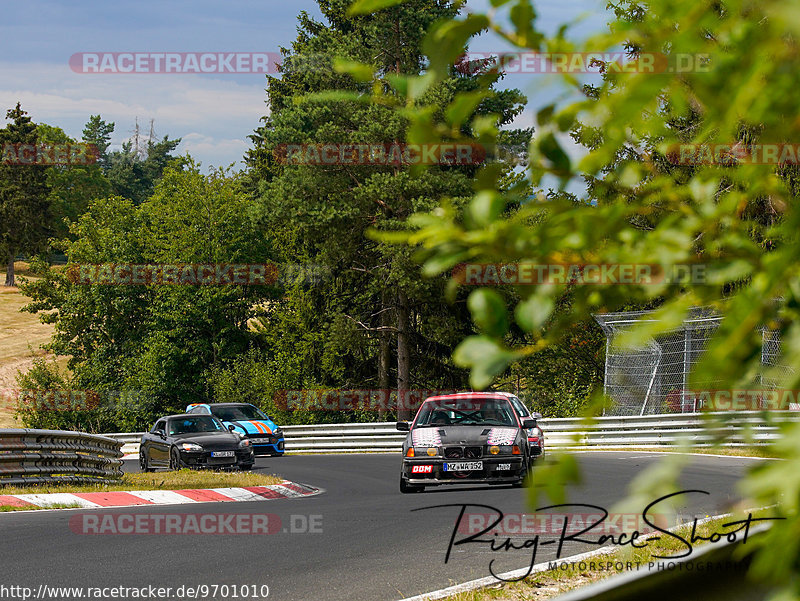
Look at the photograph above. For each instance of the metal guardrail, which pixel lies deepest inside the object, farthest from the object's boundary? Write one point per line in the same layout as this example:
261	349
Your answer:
53	456
650	431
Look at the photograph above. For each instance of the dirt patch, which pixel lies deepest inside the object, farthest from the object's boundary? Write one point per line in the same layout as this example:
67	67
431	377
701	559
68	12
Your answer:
21	337
8	386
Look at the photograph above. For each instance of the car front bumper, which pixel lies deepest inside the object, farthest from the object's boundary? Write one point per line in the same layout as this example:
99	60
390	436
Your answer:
490	473
204	458
273	448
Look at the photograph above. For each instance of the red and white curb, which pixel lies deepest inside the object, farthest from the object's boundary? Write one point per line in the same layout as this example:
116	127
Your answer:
284	490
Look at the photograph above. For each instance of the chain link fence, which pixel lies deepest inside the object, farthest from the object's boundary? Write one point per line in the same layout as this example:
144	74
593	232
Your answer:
654	379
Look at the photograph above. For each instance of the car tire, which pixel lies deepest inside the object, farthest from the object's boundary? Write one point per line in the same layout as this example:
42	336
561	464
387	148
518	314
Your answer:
144	462
407	488
175	459
524	479
245	467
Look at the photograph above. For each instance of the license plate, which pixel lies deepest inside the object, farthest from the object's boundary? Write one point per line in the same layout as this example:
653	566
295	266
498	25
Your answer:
259	440
463	466
223	454
503	466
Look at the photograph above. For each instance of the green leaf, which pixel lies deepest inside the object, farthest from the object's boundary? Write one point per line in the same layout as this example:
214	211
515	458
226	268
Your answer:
356	70
362	7
545	114
446	43
488	310
463	106
552	151
531	314
485	207
485	357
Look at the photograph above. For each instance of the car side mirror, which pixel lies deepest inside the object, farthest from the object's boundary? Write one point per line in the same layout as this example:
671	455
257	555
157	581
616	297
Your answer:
528	424
403	427
162	434
232	428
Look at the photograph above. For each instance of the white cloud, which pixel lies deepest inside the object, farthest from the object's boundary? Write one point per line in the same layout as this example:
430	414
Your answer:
183	106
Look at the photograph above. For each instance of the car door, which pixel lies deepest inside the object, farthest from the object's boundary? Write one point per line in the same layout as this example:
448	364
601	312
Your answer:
159	447
522	414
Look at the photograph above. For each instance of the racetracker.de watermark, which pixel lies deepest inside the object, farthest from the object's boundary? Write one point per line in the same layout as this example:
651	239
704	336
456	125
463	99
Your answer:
534	274
175	63
582	62
390	154
193	274
368	399
531	524
755	399
734	153
48	154
193	523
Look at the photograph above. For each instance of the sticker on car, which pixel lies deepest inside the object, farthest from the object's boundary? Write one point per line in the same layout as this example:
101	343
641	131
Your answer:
421	469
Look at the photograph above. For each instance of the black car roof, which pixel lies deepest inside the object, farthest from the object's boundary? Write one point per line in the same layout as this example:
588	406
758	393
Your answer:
184	416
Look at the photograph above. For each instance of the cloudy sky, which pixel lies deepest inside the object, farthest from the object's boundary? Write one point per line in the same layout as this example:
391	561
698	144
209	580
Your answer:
212	113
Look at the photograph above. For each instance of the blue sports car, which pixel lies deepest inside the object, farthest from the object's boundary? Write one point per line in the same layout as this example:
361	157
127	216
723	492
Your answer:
249	421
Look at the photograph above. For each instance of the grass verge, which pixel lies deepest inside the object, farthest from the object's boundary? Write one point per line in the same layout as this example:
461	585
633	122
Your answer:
551	583
174	480
9	508
764	452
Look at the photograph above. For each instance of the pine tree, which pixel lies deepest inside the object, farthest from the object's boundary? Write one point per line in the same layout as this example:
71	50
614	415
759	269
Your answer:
320	213
24	206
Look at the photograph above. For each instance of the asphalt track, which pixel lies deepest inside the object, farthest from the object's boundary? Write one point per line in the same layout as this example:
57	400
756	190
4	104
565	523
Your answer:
372	545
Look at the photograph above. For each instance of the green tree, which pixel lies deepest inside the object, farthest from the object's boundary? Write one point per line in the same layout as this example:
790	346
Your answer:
25	217
72	186
157	342
97	132
375	311
650	214
134	170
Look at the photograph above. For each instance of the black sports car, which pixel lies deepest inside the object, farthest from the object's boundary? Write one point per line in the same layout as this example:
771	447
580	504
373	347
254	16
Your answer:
178	441
465	438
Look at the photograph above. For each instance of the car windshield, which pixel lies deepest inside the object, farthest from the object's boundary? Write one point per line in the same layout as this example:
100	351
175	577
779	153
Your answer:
191	425
466	412
235	413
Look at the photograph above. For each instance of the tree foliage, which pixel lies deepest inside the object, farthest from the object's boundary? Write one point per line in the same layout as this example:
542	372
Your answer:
737	216
347	330
160	341
25	217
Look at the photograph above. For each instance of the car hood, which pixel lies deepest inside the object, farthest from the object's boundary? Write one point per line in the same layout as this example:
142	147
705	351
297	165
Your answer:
210	440
454	435
253	427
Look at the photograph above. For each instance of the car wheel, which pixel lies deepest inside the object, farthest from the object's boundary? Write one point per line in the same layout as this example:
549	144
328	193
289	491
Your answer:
174	459
407	488
524	478
144	462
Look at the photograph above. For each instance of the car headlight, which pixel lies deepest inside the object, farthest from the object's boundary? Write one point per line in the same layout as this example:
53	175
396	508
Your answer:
190	446
503	449
278	432
245	443
426	451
